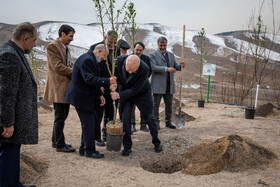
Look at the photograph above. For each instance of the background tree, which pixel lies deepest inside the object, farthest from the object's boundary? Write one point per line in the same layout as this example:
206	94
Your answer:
201	52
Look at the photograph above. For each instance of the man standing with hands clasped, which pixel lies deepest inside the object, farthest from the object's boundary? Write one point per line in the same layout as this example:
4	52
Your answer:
163	66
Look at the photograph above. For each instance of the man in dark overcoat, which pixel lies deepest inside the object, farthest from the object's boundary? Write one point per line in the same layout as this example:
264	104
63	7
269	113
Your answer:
18	102
84	88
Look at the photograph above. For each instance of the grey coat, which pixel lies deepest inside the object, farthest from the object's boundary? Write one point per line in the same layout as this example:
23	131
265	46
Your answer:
18	96
159	74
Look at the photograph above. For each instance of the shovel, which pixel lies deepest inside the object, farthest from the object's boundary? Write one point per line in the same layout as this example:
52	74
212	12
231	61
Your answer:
180	119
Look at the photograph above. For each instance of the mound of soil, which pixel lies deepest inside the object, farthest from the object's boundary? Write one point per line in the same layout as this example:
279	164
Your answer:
31	169
164	163
231	153
265	110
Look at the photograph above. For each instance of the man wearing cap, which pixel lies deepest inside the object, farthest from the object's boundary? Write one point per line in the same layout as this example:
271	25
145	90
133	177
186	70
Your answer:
123	46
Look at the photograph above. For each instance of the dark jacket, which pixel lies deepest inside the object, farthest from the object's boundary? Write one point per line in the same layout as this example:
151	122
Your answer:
146	59
18	96
104	68
86	82
131	85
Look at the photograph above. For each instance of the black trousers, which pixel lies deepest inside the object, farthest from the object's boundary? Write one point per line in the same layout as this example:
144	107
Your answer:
10	165
88	131
108	111
61	111
99	110
168	107
133	121
145	105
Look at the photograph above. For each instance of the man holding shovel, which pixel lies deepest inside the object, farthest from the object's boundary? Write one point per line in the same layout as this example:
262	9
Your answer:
164	67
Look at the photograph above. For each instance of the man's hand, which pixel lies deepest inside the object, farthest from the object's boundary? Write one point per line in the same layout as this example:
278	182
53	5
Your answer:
182	64
102	89
103	100
171	70
8	132
113	80
113	87
114	95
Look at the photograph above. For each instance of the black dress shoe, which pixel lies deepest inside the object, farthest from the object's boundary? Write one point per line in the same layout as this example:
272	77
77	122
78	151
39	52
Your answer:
171	126
94	155
54	146
99	143
126	152
144	128
65	149
158	148
30	186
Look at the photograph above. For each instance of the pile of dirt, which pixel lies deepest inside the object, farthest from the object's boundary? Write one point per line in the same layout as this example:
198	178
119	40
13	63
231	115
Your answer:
163	163
175	110
231	153
31	169
266	109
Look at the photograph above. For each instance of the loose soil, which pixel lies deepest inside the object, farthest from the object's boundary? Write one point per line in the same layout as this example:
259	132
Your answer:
43	166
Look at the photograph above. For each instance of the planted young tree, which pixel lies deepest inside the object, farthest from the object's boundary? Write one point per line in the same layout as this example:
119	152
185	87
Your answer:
109	18
201	52
254	61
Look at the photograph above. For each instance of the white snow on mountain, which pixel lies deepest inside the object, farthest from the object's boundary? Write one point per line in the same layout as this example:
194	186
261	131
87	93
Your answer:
86	35
246	47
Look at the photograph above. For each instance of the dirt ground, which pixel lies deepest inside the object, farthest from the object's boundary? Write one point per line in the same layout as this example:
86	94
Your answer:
212	122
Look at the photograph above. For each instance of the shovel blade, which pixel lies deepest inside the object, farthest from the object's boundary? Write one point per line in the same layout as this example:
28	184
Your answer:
180	120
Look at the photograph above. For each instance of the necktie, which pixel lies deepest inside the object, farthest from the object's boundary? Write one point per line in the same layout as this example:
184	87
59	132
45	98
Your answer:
67	59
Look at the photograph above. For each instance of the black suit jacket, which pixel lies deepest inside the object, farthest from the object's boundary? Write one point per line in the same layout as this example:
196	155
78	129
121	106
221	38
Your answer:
103	66
146	59
86	82
131	85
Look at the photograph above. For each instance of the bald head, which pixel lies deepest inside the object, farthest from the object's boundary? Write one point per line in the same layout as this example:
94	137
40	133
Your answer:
132	63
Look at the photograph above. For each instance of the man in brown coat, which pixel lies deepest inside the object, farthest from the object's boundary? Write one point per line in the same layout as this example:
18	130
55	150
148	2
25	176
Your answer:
59	73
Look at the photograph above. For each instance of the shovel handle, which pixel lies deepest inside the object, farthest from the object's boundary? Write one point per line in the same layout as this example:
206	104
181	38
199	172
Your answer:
182	69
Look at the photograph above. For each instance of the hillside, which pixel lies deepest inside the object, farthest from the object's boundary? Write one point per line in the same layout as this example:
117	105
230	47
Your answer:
222	50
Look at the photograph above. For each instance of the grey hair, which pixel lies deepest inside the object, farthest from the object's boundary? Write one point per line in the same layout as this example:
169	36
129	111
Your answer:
103	47
161	39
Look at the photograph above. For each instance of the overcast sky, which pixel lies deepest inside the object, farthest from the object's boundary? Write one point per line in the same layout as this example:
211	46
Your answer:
214	15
